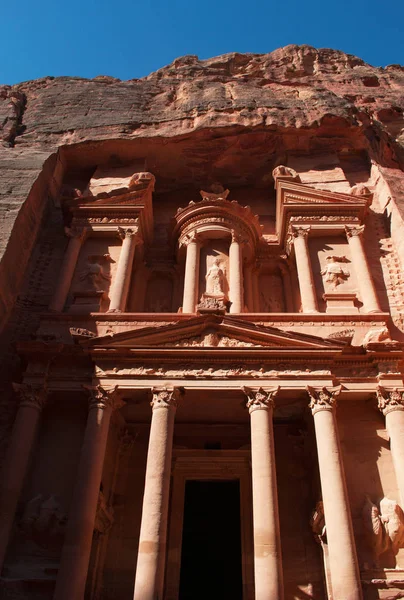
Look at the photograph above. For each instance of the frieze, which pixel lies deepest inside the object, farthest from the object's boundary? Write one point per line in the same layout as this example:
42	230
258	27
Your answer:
325	218
210	372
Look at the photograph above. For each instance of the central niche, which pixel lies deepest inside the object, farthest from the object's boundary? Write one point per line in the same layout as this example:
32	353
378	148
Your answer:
214	269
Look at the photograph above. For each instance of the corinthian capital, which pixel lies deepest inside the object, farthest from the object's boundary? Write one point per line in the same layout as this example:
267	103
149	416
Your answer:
354	231
299	231
389	400
32	396
75	232
129	232
100	397
323	398
165	398
260	398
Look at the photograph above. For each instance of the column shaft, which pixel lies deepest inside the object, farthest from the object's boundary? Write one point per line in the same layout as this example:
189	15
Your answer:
268	572
363	274
304	271
72	575
119	292
151	558
17	458
236	275
249	287
344	569
67	270
191	275
391	404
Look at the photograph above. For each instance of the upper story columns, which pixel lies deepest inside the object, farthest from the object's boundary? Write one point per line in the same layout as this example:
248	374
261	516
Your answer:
363	274
191	280
299	237
76	239
130	238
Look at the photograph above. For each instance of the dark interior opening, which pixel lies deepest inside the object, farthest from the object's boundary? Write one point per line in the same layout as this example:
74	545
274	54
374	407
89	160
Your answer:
211	541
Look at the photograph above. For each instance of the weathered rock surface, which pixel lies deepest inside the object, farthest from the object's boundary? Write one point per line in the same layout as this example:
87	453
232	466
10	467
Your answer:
228	118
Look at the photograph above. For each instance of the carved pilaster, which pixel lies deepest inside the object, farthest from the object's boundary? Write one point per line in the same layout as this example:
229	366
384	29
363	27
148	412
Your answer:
323	398
165	398
260	398
31	395
389	400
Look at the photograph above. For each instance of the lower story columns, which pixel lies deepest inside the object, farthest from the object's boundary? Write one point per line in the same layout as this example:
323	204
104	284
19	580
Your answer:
268	572
23	435
71	579
153	530
345	578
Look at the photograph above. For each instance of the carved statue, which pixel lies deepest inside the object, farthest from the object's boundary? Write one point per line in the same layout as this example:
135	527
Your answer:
333	272
94	273
376	335
215	279
43	517
384	528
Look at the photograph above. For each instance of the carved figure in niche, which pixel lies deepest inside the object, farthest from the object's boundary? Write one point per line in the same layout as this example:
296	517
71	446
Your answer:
95	273
271	294
333	272
215	279
384	528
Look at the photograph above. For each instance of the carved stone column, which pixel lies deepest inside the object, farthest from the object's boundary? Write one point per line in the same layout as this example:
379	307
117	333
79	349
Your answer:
391	404
363	274
153	531
71	579
77	236
236	274
299	236
23	435
344	569
191	280
119	293
268	572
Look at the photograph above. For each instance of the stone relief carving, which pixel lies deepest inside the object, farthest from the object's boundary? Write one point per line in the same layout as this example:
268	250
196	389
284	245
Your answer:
43	518
282	171
215	279
384	528
325	218
345	334
95	273
104	517
183	372
79	333
377	335
334	274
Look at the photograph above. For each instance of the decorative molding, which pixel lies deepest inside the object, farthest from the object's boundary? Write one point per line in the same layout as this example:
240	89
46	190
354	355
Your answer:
389	400
260	398
323	398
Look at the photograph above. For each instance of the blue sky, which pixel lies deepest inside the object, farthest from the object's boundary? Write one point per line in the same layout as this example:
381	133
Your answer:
130	39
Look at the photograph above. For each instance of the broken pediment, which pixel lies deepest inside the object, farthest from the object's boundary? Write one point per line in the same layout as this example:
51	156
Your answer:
213	331
299	202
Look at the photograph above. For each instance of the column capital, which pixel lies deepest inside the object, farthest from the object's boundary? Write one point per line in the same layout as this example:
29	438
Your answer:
129	232
323	398
190	238
389	400
166	398
32	396
354	230
299	231
260	398
100	397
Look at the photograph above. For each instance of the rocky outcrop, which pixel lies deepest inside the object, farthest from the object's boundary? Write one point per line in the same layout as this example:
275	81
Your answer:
232	117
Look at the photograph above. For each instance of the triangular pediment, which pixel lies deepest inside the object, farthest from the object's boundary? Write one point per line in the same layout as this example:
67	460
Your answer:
213	332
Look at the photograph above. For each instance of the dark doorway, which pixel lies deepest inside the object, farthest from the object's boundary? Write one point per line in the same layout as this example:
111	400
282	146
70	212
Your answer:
211	541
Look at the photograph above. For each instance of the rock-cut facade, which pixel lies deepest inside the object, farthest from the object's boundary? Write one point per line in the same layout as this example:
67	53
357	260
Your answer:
202	332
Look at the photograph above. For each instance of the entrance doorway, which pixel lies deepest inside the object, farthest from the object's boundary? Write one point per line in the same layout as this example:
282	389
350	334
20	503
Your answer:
211	556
